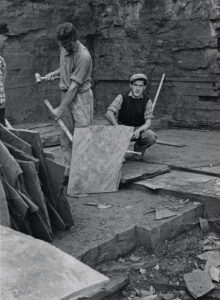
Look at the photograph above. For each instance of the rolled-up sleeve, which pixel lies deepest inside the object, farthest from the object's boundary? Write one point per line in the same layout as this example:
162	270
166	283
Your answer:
116	104
81	68
148	114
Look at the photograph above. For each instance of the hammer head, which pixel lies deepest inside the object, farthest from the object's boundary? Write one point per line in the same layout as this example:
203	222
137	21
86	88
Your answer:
37	78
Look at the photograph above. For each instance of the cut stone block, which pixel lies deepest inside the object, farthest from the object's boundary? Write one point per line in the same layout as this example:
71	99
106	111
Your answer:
198	283
97	155
33	269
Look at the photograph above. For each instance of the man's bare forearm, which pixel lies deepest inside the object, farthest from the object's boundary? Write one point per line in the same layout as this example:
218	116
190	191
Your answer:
110	117
69	96
145	126
56	72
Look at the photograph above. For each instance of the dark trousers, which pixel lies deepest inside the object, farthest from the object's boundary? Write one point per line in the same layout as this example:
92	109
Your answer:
147	138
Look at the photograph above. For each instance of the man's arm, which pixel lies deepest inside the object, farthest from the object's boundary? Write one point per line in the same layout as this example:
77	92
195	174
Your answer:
148	114
78	75
51	75
145	126
110	116
68	98
4	69
113	110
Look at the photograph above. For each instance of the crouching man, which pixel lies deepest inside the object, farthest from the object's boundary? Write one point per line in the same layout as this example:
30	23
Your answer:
134	109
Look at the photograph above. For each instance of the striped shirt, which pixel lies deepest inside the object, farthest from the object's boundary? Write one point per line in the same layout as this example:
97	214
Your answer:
117	103
2	79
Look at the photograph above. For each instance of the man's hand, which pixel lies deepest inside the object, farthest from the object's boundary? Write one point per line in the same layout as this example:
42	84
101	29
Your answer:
136	134
50	76
57	113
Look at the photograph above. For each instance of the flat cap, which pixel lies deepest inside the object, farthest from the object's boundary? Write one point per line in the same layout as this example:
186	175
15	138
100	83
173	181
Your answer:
66	31
139	76
3	28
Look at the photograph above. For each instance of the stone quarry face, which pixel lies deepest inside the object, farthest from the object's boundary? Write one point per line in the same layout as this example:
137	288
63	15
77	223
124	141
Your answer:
179	38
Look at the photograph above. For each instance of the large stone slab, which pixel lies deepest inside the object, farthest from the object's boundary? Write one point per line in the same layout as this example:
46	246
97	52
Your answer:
33	269
184	182
133	171
97	155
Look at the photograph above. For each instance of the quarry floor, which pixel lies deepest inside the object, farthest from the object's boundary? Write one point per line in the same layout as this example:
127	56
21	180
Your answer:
128	206
110	235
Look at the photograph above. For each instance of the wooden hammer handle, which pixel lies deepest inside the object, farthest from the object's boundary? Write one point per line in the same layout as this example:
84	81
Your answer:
62	125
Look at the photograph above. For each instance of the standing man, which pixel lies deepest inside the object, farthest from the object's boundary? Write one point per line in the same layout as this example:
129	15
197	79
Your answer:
76	107
3	72
134	109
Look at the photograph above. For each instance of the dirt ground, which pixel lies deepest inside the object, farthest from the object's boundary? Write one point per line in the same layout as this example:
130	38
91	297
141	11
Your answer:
202	149
93	225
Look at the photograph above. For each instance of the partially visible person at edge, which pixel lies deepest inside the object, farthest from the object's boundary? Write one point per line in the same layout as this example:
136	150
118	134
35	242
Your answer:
76	107
134	108
3	71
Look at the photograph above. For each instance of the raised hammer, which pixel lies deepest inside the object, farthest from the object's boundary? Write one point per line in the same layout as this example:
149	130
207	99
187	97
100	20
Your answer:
38	78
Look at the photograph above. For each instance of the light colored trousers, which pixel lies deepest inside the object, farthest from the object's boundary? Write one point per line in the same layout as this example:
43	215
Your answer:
78	114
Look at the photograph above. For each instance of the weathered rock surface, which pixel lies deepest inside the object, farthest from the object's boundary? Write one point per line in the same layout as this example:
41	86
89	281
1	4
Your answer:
33	269
179	38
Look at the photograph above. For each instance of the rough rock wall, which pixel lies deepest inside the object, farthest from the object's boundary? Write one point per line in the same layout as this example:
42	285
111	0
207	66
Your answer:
176	37
31	47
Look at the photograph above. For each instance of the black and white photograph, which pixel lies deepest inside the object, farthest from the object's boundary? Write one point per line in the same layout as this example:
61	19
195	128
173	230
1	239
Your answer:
109	149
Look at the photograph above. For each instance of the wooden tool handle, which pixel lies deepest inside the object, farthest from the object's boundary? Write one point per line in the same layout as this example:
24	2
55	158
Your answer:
62	125
158	91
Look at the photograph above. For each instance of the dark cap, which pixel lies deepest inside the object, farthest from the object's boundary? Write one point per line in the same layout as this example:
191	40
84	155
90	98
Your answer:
3	28
66	31
139	76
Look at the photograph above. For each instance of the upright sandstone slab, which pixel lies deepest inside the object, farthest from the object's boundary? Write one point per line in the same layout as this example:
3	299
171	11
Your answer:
34	270
97	155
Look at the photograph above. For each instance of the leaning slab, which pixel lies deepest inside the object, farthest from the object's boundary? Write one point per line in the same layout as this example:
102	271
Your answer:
97	155
32	269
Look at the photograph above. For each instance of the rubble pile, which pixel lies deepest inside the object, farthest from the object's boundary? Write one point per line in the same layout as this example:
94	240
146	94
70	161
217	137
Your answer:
33	199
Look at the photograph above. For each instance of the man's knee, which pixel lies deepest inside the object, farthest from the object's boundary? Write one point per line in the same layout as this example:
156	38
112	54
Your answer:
149	136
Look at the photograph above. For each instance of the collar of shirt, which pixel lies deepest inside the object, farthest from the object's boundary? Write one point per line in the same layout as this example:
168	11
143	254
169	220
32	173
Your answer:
131	95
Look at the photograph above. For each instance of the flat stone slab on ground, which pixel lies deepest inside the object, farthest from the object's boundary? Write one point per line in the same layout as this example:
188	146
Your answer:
198	283
134	171
33	269
186	182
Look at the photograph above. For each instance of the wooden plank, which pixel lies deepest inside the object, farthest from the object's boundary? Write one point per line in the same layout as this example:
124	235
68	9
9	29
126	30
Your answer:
160	142
97	155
